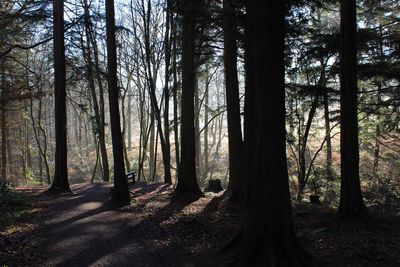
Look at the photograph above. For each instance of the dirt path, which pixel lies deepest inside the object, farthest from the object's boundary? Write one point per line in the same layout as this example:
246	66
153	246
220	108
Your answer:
84	229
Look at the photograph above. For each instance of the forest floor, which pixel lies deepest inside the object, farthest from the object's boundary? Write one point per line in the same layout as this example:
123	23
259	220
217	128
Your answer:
85	229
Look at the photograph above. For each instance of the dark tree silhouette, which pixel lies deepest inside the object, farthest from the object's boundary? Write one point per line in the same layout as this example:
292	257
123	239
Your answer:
60	182
187	180
266	236
233	103
121	190
351	201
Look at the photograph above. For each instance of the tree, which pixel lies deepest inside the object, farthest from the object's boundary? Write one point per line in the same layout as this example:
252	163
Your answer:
163	132
121	190
60	183
187	180
351	201
167	48
266	236
233	102
98	104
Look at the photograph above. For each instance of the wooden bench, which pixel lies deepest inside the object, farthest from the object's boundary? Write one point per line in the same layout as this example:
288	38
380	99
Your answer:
131	177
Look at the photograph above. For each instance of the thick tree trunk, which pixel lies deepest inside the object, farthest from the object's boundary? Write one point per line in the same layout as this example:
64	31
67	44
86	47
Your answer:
187	179
267	233
60	182
233	103
351	201
121	191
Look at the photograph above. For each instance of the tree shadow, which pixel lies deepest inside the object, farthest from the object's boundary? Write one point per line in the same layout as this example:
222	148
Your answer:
119	242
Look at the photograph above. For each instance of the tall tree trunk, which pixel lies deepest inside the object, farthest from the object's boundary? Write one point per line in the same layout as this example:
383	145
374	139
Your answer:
351	201
121	191
233	103
187	179
60	182
267	233
98	105
167	44
142	126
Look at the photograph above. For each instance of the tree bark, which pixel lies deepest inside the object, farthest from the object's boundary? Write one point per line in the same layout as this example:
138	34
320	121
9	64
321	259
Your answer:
233	103
167	45
267	235
187	179
120	192
60	182
351	201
